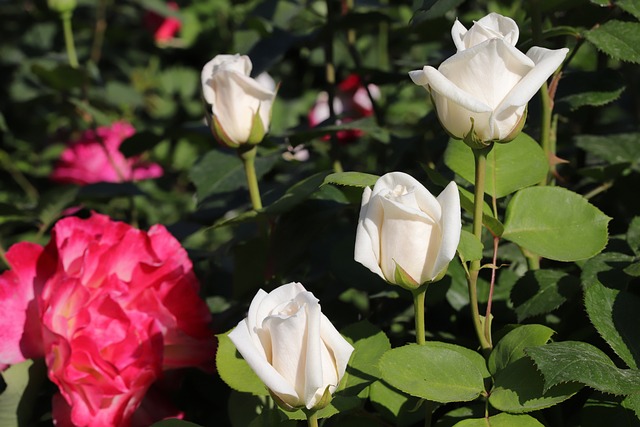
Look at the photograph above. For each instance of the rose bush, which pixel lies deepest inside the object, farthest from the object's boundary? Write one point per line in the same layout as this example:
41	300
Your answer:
95	157
482	91
238	106
351	102
292	346
404	232
110	308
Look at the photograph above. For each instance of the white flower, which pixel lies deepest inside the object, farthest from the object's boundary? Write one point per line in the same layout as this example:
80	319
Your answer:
292	346
486	85
492	26
239	107
404	232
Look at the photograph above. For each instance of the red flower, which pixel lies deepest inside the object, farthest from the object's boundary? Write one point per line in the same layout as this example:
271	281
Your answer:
351	102
163	28
95	157
110	308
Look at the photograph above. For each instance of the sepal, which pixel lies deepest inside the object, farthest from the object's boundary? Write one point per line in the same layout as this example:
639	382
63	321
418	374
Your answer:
404	279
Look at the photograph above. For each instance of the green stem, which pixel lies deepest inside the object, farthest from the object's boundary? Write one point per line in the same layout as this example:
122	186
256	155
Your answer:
545	99
478	200
545	129
312	419
68	38
248	155
418	305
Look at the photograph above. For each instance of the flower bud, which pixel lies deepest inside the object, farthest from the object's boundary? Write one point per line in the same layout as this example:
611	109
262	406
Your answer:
481	93
238	106
406	235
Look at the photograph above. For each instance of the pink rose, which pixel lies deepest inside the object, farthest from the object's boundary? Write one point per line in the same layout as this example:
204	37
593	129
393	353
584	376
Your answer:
351	102
110	308
164	28
95	157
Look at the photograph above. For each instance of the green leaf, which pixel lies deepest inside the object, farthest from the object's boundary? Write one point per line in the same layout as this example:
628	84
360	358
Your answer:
353	179
62	77
296	194
139	142
493	225
466	202
369	343
435	371
632	402
630	6
502	420
583	88
23	385
235	371
555	223
580	362
602	410
511	347
606	268
519	388
542	291
614	149
220	172
395	406
469	247
618	39
510	167
633	235
614	314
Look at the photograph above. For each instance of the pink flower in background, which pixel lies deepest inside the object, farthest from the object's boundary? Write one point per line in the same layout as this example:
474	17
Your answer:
351	102
164	28
110	308
95	157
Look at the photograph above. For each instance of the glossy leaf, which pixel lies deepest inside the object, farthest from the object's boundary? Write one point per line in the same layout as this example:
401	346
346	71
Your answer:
580	362
353	179
235	371
618	39
520	388
502	420
614	313
555	223
470	247
511	347
435	371
506	171
542	291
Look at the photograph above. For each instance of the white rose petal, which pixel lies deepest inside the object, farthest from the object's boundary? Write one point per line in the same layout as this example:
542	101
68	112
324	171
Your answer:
292	346
402	224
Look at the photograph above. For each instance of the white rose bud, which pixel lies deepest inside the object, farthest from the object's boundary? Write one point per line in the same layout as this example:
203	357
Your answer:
238	106
292	347
492	26
481	92
405	234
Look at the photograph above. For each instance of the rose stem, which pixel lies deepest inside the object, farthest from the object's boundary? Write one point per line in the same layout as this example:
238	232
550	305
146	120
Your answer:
478	199
248	155
68	38
418	305
487	316
312	419
545	115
